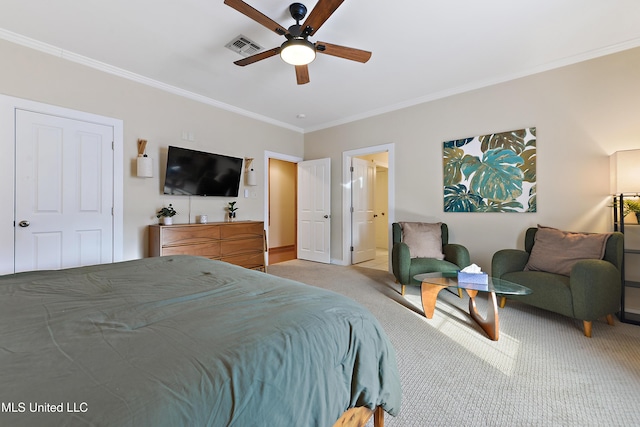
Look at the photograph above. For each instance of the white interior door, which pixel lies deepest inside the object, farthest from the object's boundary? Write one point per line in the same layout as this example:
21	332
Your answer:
363	175
314	210
63	192
381	207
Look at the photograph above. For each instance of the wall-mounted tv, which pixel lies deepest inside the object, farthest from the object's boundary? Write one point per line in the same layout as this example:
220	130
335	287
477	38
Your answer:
196	173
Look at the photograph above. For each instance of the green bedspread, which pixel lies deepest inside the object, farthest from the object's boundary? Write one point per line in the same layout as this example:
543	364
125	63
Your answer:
185	341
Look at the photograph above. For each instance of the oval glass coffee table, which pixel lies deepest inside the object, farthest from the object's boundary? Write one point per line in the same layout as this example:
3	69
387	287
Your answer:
433	283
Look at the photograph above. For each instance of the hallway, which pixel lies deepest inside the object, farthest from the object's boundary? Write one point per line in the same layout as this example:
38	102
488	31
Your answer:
380	262
282	254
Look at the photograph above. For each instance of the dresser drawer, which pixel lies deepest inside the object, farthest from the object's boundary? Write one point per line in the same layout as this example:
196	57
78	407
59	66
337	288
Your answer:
240	230
209	250
234	247
191	234
255	260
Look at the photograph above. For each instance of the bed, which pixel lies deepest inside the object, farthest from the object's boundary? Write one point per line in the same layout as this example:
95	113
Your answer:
187	341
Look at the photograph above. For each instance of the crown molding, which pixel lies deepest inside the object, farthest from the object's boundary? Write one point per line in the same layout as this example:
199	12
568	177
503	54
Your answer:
110	69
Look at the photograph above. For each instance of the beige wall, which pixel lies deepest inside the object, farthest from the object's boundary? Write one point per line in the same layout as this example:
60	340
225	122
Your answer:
583	113
154	115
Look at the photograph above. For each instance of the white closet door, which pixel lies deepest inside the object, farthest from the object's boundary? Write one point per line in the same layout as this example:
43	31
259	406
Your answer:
64	192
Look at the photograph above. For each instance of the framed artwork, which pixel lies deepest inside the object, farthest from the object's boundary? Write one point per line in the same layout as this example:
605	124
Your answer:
491	173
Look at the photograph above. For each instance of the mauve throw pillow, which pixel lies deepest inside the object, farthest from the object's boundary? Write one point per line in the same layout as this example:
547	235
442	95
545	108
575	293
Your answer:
556	251
424	239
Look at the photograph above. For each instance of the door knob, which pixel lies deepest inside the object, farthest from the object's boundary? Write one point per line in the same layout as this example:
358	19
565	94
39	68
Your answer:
24	223
326	216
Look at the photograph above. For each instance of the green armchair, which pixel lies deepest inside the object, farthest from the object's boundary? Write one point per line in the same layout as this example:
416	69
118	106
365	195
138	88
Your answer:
592	289
404	266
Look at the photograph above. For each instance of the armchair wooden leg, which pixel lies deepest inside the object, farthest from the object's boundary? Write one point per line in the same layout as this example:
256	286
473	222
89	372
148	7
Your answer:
610	319
401	288
587	328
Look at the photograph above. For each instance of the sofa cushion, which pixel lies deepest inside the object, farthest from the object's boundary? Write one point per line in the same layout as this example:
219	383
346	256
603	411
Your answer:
550	291
424	239
556	251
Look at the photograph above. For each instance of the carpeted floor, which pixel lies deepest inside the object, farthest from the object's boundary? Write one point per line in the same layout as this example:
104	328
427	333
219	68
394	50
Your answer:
541	372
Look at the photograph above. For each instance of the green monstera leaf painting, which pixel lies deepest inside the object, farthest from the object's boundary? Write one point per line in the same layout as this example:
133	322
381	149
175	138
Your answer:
491	173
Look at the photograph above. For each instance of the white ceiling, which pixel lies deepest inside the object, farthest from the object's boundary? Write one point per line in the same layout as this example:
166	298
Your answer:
422	49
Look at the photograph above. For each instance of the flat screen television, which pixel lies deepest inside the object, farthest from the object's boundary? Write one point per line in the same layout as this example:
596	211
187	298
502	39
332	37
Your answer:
196	173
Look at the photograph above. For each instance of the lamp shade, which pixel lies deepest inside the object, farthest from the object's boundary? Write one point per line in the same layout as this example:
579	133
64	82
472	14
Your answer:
144	167
251	177
298	51
249	172
624	167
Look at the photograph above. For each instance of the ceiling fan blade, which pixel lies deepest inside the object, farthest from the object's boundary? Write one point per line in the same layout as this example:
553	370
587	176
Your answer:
302	74
258	57
343	52
257	16
320	13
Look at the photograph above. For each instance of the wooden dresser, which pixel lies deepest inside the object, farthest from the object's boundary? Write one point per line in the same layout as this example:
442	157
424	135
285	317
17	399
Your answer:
241	243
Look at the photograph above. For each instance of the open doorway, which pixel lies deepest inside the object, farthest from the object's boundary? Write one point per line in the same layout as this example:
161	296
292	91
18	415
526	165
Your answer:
307	192
375	228
282	211
372	250
281	183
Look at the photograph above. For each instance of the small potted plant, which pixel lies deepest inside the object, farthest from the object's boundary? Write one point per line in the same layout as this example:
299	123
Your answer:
166	214
232	211
632	205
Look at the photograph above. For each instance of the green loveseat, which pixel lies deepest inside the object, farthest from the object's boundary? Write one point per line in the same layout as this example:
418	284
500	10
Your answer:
405	266
591	291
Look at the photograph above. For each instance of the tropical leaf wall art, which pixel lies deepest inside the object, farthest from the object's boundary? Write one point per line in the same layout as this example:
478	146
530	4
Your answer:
491	173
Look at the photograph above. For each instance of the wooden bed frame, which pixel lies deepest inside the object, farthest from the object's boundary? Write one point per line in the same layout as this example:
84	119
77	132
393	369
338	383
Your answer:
358	417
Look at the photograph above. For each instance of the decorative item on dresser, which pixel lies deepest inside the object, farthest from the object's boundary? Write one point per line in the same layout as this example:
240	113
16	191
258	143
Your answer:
241	243
166	214
232	211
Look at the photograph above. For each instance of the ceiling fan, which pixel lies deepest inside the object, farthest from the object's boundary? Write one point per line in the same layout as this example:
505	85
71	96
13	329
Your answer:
297	49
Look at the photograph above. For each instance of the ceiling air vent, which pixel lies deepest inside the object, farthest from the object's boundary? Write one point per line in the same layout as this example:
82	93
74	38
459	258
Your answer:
243	46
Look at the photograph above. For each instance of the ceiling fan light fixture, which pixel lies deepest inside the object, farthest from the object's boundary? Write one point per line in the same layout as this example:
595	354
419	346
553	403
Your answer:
298	51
